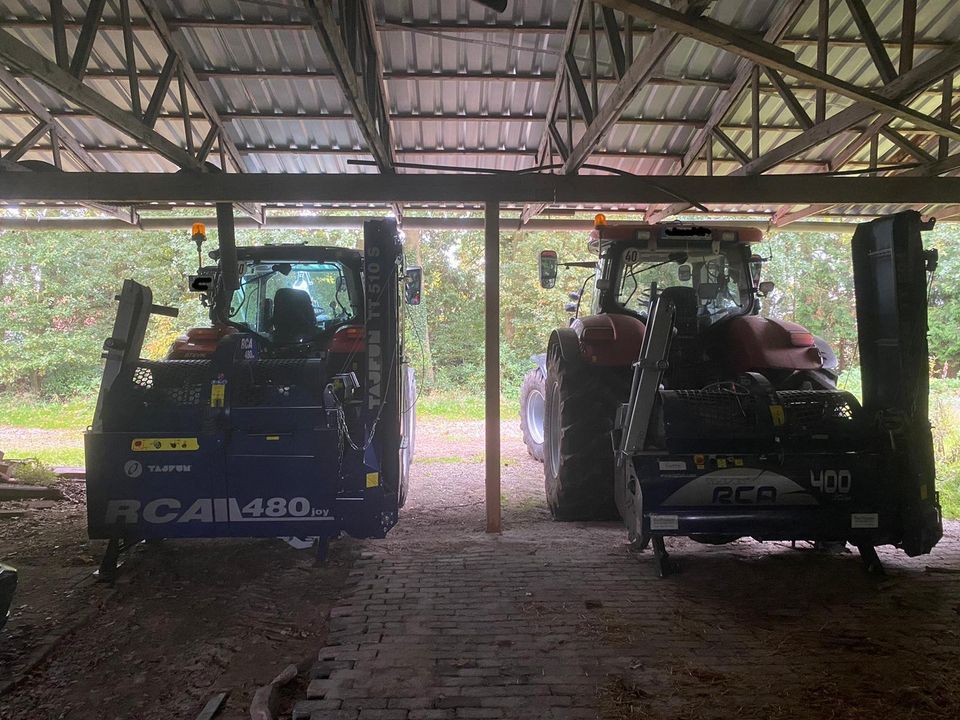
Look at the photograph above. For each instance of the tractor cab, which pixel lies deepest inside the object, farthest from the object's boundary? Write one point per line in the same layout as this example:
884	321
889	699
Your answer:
710	274
296	300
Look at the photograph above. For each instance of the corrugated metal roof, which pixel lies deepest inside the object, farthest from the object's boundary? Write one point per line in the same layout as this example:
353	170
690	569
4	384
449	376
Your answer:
465	87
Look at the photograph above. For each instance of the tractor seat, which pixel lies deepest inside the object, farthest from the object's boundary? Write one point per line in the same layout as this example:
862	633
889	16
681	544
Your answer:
684	300
293	318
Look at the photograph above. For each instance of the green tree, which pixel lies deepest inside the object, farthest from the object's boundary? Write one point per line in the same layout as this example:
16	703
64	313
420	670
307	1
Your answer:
813	274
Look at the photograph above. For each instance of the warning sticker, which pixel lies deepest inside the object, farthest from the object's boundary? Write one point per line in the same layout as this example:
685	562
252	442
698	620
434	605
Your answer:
217	393
373	480
164	444
777	415
675	465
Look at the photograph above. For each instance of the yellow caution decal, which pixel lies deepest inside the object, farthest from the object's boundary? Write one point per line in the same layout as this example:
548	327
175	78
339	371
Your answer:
373	480
217	393
776	412
164	444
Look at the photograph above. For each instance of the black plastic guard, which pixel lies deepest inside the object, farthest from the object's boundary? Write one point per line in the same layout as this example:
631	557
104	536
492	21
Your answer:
382	269
890	277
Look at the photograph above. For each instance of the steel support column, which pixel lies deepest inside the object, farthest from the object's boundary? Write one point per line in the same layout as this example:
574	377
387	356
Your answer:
491	293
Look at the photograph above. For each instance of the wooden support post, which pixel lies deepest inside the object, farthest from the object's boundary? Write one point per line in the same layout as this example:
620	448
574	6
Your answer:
491	276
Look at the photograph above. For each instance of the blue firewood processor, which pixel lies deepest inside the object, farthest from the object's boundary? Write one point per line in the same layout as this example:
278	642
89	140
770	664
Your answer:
292	415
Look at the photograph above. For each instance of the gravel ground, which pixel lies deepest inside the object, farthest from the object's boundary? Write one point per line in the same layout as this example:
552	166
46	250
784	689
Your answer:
40	439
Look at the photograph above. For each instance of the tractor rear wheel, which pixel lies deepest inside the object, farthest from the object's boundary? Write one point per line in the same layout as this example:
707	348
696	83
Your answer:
581	404
532	412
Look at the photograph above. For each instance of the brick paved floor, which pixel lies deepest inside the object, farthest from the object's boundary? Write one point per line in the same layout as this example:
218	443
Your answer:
557	620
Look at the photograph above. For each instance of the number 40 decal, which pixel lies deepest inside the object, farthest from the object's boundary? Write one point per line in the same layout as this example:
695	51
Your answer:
831	481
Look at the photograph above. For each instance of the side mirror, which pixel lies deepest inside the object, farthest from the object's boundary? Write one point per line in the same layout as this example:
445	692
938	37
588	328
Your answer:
412	285
684	273
765	288
548	269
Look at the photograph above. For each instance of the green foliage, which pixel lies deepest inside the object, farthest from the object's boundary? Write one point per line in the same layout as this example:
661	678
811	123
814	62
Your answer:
51	414
945	302
450	405
66	454
58	306
33	472
945	417
814	287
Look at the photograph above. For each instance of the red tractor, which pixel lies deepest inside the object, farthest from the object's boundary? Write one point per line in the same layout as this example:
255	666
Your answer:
674	405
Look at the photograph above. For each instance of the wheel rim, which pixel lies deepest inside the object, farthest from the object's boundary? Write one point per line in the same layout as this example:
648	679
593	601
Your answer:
552	433
535	410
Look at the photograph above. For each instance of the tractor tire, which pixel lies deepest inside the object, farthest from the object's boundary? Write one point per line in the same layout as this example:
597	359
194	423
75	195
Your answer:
532	410
581	405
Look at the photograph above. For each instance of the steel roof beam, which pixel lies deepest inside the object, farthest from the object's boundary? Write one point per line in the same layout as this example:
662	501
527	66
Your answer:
789	99
779	26
786	214
88	35
871	38
29	61
907	145
371	119
634	78
201	187
468	118
359	71
228	149
902	88
731	147
29	140
76	149
57	24
426	75
560	87
112	24
130	56
732	40
160	91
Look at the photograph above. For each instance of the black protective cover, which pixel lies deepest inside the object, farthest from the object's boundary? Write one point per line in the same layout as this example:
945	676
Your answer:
890	275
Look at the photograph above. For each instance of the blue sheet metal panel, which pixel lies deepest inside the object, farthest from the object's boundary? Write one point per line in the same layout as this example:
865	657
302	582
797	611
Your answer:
143	494
790	496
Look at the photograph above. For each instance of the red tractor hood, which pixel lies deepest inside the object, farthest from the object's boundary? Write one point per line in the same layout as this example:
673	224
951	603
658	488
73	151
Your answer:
756	343
609	339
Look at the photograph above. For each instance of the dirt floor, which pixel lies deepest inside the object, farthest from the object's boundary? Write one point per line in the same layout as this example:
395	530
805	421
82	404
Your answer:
190	619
